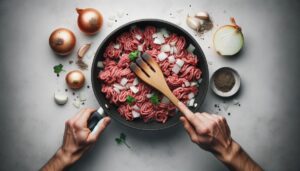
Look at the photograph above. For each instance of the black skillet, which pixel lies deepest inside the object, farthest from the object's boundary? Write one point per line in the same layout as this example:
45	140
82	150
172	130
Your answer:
111	110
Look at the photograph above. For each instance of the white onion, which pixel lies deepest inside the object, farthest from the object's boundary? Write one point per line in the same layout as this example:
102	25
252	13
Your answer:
171	59
117	90
100	64
135	107
175	50
149	95
179	62
165	48
173	43
117	46
187	84
162	56
228	40
154	35
191	102
194	83
124	81
135	114
191	95
138	37
135	82
134	89
164	32
118	86
157	41
191	48
176	69
200	81
141	47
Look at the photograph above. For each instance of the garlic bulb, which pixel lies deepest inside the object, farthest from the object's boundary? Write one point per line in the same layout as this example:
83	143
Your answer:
193	23
202	15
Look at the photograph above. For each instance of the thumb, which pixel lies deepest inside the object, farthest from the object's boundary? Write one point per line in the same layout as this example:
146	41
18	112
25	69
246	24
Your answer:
99	128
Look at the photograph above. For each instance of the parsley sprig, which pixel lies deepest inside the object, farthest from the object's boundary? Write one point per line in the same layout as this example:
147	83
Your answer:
58	68
122	140
130	99
133	55
154	99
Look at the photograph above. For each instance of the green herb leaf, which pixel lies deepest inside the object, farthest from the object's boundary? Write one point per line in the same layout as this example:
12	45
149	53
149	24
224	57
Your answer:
130	99
122	140
123	136
118	140
58	68
154	99
133	55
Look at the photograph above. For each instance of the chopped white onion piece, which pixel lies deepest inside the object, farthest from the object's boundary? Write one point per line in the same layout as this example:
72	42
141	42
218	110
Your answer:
138	37
76	103
191	48
149	95
162	56
179	62
195	105
176	69
140	47
117	90
171	59
160	37
135	107
118	86
175	50
135	114
124	81
187	84
165	48
117	46
173	43
100	64
135	82
191	102
134	89
164	32
165	100
194	83
154	35
191	95
200	81
157	41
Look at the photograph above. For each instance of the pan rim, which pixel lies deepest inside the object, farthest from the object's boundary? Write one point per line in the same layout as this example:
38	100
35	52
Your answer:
115	31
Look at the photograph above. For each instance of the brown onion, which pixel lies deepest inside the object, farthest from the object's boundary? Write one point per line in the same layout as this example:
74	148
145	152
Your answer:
89	20
75	79
62	41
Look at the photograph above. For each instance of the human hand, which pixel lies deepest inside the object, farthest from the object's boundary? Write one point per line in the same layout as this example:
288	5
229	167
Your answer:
77	139
211	132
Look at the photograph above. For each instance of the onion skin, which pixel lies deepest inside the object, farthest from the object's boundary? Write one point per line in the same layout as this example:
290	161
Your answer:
75	79
62	41
89	20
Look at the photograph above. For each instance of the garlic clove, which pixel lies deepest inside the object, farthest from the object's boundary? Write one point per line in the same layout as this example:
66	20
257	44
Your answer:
193	23
60	98
83	49
202	15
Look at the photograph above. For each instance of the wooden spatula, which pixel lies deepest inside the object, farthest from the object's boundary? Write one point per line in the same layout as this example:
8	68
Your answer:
149	71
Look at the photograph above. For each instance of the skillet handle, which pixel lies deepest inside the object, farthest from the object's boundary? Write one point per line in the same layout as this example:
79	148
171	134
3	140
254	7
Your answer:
94	119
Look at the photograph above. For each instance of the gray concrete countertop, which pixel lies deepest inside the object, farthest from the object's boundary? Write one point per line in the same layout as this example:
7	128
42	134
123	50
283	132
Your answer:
266	124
